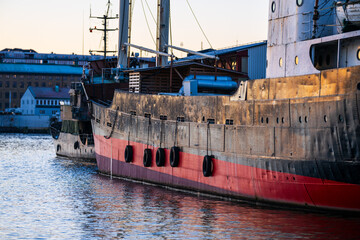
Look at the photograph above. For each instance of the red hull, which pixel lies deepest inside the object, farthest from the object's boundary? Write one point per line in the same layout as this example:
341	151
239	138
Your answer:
229	179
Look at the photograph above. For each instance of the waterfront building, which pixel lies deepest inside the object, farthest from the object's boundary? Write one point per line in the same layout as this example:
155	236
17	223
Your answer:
44	100
20	69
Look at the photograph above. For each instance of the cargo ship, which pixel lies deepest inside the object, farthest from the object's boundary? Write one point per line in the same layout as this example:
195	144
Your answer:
291	138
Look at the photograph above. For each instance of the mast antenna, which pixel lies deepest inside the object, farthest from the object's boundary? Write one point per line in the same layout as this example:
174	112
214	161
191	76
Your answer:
105	30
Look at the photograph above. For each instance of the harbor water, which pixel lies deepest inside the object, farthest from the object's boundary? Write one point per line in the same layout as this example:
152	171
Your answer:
46	197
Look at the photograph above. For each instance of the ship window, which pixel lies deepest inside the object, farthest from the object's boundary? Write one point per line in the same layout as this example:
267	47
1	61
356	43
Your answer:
163	117
280	62
358	54
296	60
299	3
211	121
229	122
273	6
180	119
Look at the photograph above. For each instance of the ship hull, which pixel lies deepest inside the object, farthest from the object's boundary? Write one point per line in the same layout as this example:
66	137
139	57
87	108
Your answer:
300	148
245	178
75	147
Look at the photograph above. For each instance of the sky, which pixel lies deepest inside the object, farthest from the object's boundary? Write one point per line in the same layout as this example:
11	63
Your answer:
62	26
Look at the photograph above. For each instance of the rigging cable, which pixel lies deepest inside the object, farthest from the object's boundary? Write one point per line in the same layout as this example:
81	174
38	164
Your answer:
171	42
199	24
147	22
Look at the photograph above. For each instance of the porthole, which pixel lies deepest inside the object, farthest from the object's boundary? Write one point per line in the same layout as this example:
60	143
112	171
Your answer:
299	3
277	120
273	6
262	120
358	54
280	62
300	120
296	60
325	118
282	120
267	120
306	119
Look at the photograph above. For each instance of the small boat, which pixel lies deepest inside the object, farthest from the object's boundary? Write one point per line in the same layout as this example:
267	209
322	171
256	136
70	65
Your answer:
73	134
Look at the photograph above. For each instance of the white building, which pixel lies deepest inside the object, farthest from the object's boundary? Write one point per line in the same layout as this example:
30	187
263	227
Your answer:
44	100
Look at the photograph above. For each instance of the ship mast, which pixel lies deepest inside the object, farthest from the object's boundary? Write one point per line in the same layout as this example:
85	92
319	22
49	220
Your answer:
123	33
162	33
105	19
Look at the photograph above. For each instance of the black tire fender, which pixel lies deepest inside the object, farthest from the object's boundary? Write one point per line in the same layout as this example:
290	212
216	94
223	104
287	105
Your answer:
208	166
174	156
147	157
160	157
128	155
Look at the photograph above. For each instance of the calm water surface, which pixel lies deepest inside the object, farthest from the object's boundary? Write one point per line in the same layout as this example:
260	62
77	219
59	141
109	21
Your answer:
45	197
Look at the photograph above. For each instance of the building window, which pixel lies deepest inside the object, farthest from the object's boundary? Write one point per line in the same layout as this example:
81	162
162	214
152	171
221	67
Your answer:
22	84
7	84
23	102
14	84
32	101
43	84
27	101
37	102
42	111
296	60
0	83
14	95
14	76
29	84
7	95
54	112
6	105
36	84
280	62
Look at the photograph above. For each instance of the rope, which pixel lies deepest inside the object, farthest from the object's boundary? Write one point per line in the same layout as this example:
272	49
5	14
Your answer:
148	136
112	127
175	140
199	24
147	22
130	129
208	136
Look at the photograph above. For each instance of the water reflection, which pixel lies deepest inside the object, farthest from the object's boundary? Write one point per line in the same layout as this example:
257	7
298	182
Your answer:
42	196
